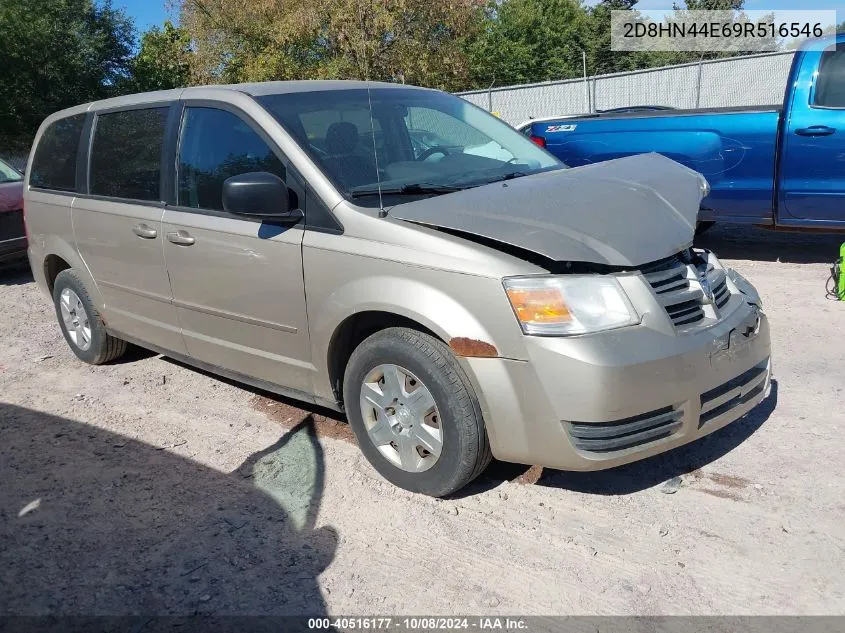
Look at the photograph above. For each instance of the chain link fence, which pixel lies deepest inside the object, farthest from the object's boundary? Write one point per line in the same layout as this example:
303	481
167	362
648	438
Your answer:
738	81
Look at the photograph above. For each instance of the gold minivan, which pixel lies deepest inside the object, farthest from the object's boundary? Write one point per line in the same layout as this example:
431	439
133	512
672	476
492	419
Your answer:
401	255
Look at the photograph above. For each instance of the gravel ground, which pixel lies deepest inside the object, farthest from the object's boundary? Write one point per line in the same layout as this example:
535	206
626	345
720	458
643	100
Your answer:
146	487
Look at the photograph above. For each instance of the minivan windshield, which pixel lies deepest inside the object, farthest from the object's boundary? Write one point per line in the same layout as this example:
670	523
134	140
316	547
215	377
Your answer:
412	142
9	174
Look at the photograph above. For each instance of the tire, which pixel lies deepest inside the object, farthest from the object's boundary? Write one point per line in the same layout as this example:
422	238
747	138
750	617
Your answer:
703	227
465	449
97	346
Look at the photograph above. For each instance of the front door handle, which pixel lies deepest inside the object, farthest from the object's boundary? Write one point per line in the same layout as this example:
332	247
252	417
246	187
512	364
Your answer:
145	231
815	130
183	238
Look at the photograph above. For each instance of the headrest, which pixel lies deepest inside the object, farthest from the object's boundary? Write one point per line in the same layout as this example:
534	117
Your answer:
341	138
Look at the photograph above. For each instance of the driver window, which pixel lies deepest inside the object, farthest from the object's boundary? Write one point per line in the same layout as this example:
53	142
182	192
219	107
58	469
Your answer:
216	145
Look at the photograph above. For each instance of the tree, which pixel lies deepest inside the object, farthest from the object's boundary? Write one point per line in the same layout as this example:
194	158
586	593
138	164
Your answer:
530	40
601	59
57	53
163	60
418	41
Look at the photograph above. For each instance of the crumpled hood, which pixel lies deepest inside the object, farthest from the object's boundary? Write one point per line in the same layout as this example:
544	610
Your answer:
623	212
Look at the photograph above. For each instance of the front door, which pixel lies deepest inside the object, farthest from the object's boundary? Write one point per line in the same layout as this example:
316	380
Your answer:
813	161
237	282
118	226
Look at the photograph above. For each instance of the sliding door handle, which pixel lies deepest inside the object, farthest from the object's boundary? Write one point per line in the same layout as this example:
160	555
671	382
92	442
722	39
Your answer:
183	238
145	231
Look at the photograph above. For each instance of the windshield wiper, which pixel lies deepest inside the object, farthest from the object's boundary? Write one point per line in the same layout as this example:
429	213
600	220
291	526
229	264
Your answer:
508	176
412	189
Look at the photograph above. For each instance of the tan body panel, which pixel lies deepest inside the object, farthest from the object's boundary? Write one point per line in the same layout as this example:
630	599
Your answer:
240	297
129	268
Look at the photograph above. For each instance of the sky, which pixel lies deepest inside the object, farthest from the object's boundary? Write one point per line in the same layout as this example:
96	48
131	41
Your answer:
148	13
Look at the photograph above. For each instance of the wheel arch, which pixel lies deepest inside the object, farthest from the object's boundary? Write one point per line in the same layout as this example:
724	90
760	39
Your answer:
59	255
352	331
53	265
368	305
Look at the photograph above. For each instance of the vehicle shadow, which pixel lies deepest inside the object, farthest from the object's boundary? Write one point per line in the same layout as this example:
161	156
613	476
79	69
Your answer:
15	273
735	241
637	476
94	523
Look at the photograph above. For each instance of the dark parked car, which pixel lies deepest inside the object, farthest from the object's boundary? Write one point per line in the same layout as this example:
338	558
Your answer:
12	233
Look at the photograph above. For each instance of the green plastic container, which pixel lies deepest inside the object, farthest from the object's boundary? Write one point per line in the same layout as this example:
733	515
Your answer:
840	287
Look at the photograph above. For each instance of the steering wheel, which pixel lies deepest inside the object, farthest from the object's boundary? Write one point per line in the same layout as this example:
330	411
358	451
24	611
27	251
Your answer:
431	151
319	152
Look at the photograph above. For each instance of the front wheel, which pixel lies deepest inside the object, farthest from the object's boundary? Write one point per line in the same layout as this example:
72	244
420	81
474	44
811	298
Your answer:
414	412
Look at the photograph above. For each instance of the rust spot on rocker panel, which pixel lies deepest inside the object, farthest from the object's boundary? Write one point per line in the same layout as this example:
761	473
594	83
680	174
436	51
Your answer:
470	347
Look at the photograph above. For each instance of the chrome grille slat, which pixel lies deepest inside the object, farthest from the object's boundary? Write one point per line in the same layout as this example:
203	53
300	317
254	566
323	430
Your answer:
664	276
683	309
679	291
694	318
688	294
721	293
680	284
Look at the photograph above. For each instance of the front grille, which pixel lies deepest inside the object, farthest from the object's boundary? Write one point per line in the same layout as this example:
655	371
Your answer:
733	393
11	225
605	437
669	279
678	288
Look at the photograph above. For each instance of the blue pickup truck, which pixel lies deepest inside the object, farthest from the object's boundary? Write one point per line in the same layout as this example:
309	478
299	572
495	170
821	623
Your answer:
782	166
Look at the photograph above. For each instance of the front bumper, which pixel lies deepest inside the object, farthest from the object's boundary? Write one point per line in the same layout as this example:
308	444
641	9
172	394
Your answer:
598	401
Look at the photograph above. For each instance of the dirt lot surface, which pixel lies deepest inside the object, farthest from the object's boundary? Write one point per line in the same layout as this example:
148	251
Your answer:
148	487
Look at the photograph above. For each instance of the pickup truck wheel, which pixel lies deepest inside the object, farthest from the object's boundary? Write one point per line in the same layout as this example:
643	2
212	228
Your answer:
414	412
80	322
703	227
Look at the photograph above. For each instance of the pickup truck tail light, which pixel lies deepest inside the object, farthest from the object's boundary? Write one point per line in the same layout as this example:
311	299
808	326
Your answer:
538	140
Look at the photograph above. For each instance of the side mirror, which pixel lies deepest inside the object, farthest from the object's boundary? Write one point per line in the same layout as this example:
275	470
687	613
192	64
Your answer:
259	194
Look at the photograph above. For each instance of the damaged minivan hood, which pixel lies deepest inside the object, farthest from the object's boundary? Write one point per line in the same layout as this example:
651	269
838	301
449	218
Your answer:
623	212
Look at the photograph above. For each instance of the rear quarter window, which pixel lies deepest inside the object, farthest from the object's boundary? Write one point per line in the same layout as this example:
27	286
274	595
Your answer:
54	163
126	154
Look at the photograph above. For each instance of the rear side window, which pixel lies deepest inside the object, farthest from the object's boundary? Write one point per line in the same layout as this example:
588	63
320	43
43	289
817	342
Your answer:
54	163
830	84
217	145
126	154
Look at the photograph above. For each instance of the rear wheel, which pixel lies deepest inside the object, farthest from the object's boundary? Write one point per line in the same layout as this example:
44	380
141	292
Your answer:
80	322
414	412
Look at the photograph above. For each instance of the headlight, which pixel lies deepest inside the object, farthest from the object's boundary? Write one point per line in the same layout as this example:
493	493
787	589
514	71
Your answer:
563	305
